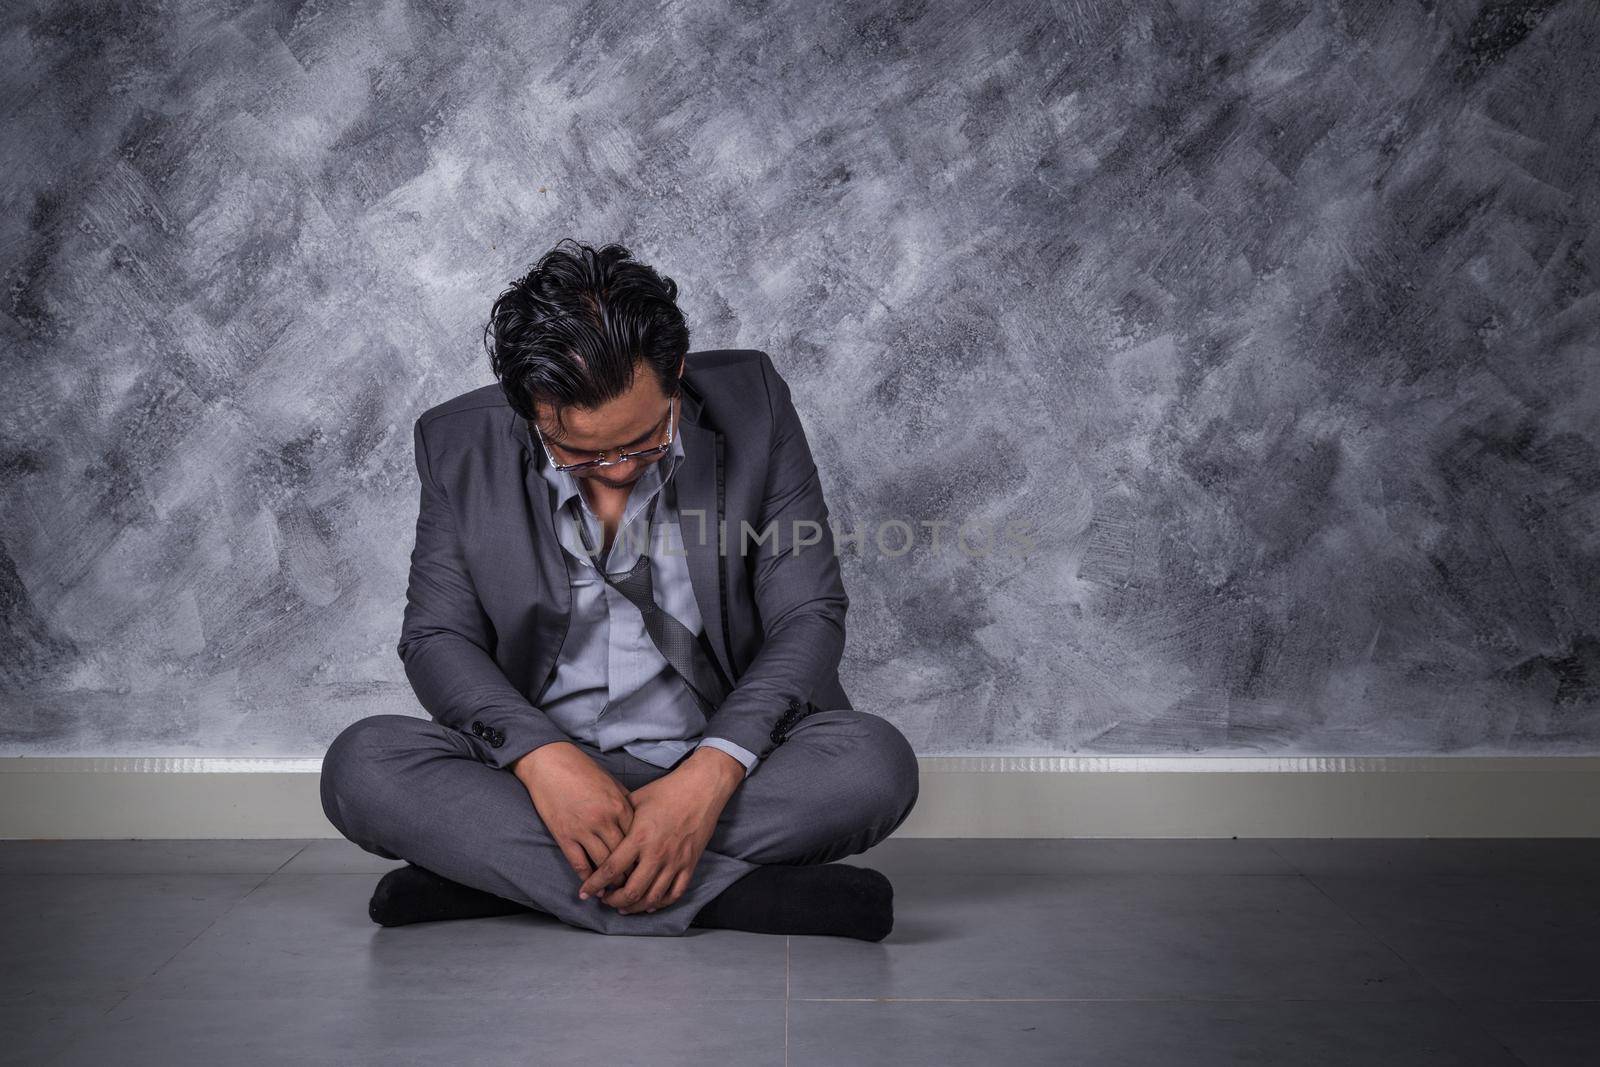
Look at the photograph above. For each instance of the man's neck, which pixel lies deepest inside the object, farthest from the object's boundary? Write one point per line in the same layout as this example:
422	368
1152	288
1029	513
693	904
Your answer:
603	499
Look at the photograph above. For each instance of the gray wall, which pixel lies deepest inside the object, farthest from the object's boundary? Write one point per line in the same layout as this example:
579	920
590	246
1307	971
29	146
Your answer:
1277	321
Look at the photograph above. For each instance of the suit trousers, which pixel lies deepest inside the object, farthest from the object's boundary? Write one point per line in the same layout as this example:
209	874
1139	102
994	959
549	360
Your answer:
403	787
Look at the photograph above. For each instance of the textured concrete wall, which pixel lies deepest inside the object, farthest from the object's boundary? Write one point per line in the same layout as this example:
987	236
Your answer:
1276	321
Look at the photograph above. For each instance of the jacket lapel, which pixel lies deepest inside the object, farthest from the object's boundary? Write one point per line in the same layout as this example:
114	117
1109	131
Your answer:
699	523
549	560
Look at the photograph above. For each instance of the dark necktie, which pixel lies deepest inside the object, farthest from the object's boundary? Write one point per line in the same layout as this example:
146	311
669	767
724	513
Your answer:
678	646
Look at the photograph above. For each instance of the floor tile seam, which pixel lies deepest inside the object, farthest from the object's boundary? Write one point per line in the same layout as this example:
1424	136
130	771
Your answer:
903	874
168	873
1469	1020
140	874
891	873
223	914
589	998
1464	1001
1346	1001
477	995
1542	877
773	998
1583	876
134	987
1465	1016
1292	865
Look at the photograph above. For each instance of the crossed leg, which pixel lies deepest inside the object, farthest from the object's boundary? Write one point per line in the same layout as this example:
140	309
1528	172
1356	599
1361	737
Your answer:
408	788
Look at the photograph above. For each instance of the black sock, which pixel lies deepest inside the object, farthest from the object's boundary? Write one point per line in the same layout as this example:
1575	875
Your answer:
413	894
823	898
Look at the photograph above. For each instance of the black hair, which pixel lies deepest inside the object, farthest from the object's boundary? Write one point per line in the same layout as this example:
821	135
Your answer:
571	331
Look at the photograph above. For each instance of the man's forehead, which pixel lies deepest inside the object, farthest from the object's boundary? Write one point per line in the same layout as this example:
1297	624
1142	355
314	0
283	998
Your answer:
558	435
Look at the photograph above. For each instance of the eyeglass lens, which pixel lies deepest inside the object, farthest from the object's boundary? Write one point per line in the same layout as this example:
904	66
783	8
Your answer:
623	455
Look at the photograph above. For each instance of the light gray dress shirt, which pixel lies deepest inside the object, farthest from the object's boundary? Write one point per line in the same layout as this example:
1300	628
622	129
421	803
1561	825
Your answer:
611	686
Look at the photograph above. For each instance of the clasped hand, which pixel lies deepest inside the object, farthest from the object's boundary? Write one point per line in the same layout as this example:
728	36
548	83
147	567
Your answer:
649	839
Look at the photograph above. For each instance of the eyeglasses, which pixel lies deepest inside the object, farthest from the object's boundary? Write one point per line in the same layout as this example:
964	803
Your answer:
622	455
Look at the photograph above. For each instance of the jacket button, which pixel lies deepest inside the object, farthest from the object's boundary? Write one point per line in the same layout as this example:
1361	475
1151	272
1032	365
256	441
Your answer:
477	728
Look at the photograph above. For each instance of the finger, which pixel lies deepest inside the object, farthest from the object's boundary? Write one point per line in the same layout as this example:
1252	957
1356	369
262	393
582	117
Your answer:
612	835
626	898
603	875
657	896
647	896
621	859
680	886
574	853
599	850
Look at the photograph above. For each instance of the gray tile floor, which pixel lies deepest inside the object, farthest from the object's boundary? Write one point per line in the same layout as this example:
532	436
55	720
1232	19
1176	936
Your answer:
1018	951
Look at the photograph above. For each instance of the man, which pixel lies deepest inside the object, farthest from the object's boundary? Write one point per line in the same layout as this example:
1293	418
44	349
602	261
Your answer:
636	724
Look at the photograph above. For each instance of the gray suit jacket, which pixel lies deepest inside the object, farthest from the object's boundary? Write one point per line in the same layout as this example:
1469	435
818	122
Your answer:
488	599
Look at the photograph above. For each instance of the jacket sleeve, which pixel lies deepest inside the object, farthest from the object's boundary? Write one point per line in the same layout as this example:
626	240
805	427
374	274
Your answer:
798	589
445	640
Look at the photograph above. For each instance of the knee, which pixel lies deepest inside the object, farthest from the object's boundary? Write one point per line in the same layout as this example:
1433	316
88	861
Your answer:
360	744
352	768
889	766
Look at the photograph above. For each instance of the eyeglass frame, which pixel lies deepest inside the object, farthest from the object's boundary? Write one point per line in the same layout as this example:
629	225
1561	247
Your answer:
623	455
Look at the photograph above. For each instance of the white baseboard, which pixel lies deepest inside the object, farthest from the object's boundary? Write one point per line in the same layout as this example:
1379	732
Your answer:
961	796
